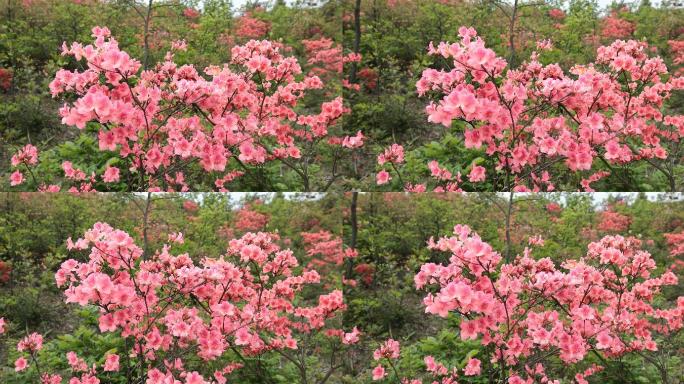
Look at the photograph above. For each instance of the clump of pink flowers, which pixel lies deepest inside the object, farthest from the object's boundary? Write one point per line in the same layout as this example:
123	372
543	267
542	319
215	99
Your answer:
244	303
537	123
168	121
601	303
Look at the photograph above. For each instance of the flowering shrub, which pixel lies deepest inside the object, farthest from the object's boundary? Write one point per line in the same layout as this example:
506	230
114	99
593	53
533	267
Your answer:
30	345
390	352
326	247
676	243
557	14
326	59
191	13
612	221
251	27
170	309
553	208
5	270
326	55
538	125
616	28
327	255
365	272
601	304
163	123
369	77
248	219
5	79
190	206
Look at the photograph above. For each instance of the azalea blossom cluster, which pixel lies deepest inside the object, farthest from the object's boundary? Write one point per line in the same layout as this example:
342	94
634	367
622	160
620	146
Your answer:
326	248
538	124
245	303
365	272
5	79
389	353
29	345
81	373
5	271
676	243
326	59
389	350
247	219
326	56
170	120
612	221
26	156
614	27
602	303
327	254
250	27
677	54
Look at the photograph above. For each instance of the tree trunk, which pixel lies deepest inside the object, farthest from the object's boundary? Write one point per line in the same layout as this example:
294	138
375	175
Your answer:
508	226
354	231
146	215
148	17
511	34
357	39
